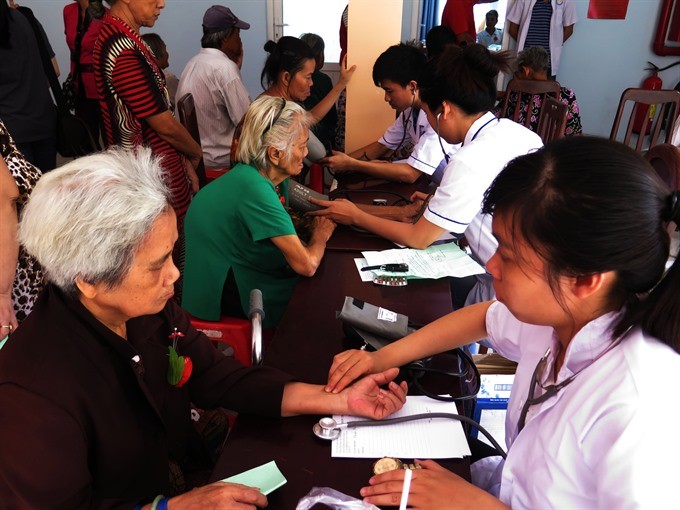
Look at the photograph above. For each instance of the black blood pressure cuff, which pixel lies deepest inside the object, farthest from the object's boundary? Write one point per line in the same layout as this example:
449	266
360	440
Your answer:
375	325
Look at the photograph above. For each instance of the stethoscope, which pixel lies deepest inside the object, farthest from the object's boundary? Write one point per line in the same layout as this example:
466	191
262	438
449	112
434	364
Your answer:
329	429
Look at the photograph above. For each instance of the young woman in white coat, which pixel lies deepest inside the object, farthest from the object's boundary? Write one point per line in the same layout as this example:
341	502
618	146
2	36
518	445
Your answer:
584	305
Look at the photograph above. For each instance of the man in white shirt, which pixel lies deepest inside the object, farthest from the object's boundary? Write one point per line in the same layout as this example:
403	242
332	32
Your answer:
213	78
490	35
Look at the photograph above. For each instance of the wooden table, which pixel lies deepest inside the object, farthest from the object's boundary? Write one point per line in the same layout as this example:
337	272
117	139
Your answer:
305	342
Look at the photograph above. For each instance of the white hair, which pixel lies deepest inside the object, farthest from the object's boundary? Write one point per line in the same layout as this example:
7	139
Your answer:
268	123
86	219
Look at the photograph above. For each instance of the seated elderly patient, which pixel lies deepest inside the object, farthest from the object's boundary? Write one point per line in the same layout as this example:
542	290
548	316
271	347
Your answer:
93	405
532	64
239	235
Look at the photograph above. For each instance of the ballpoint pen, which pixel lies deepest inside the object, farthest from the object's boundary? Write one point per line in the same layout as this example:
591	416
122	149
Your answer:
395	268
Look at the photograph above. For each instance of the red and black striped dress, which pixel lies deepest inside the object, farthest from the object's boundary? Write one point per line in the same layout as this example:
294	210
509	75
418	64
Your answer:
131	87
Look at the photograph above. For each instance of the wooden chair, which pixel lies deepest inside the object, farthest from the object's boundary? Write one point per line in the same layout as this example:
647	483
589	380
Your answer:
187	116
539	89
553	120
657	109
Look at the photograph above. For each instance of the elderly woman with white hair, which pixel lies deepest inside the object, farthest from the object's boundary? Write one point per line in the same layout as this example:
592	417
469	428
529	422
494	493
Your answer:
238	233
95	386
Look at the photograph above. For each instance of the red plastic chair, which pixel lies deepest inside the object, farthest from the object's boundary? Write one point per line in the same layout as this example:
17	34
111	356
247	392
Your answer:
235	332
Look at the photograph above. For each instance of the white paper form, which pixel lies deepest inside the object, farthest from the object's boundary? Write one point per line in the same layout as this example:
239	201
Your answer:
436	438
435	261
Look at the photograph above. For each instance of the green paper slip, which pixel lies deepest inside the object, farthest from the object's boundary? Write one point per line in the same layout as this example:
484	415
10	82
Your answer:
266	477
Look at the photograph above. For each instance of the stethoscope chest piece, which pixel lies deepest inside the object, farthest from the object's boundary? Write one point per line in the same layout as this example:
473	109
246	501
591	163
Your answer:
326	428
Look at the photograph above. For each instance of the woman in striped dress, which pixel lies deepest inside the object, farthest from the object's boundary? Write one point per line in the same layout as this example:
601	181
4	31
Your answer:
135	103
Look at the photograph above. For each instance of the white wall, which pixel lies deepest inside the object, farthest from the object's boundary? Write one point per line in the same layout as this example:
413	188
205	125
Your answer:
605	57
602	58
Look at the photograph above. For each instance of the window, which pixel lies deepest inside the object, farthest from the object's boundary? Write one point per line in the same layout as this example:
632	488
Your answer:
296	17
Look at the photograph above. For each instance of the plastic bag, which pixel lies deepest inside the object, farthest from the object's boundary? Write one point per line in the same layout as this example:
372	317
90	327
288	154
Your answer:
332	498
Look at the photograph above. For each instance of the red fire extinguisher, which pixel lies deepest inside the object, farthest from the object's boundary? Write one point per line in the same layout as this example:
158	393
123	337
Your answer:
652	82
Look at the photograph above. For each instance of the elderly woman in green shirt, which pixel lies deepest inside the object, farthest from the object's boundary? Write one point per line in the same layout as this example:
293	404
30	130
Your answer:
238	234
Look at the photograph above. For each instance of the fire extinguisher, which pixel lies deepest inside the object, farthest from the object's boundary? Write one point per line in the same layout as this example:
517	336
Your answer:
652	82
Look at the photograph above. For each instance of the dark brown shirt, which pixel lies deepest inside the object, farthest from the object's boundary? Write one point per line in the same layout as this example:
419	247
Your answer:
83	425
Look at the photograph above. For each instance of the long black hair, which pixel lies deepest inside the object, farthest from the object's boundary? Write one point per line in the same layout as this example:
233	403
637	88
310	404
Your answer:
464	76
589	205
288	54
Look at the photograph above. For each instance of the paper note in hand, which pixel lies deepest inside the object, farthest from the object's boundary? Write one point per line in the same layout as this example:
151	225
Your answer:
266	477
298	197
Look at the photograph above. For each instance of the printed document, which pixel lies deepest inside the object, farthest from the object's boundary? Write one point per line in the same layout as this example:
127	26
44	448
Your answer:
434	438
434	262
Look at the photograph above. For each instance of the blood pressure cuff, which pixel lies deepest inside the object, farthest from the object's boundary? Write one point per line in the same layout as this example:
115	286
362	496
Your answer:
375	325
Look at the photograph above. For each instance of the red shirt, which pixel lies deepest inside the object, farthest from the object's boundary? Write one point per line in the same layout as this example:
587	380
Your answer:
131	87
71	15
459	17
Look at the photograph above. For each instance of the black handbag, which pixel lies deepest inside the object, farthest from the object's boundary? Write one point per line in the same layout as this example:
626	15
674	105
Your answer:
73	84
73	136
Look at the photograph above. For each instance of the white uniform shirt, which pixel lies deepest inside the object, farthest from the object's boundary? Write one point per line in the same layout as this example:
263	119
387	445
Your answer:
221	101
606	440
427	153
456	206
564	15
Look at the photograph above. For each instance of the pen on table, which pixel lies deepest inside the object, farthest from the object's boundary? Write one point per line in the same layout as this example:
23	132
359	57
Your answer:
395	268
405	489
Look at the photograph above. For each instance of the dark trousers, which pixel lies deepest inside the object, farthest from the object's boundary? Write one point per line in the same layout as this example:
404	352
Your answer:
41	153
89	111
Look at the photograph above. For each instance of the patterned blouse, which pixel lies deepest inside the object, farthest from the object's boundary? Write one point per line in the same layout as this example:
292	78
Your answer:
131	87
28	279
567	96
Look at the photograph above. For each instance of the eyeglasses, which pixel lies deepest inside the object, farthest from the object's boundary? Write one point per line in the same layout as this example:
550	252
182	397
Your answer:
276	117
553	389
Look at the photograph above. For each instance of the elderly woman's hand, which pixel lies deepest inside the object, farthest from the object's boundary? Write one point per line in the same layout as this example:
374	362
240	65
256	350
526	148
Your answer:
366	397
346	74
220	495
322	229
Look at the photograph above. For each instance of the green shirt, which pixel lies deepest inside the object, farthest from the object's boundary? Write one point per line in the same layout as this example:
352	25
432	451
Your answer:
229	225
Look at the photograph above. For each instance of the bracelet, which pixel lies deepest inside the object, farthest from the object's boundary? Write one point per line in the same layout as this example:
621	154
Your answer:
163	504
157	502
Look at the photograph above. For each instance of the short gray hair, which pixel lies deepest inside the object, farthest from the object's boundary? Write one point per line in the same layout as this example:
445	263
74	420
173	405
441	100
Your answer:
87	219
214	39
270	122
534	57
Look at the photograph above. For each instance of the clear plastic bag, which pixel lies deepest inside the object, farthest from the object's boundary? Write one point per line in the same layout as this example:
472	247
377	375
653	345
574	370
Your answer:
332	498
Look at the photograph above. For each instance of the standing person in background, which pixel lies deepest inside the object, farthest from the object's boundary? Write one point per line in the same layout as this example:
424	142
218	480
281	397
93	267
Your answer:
135	103
545	23
459	16
21	277
213	78
490	35
81	34
26	105
325	129
157	45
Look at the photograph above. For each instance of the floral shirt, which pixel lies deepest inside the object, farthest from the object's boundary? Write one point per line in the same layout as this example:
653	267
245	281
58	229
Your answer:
567	96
